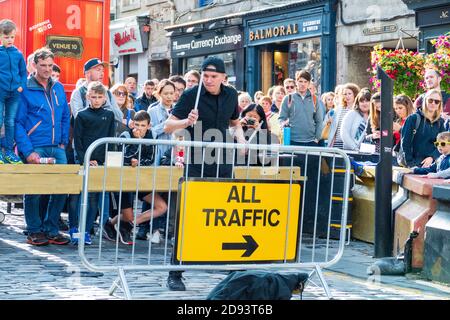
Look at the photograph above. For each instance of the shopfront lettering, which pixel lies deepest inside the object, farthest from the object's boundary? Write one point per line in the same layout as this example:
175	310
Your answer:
122	38
274	32
209	43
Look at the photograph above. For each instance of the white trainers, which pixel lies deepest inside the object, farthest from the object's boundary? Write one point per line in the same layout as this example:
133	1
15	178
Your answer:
156	237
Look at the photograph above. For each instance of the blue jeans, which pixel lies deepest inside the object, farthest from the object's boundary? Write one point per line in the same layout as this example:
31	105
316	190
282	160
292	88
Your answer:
9	104
94	203
31	203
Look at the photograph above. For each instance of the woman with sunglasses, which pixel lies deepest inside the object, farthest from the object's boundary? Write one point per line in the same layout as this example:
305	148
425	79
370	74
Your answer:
125	104
418	144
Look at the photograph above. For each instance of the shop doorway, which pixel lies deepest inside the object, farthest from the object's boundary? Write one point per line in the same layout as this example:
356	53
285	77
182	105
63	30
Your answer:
274	65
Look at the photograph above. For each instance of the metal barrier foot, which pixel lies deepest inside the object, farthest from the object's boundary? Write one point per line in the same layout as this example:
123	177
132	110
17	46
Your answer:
121	283
324	283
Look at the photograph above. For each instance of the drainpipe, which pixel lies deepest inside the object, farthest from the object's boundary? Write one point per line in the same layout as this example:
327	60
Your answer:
173	10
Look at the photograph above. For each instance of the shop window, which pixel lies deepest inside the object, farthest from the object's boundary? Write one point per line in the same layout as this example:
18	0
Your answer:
305	54
229	58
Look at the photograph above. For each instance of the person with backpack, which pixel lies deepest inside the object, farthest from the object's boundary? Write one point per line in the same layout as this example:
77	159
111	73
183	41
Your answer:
303	112
420	131
94	70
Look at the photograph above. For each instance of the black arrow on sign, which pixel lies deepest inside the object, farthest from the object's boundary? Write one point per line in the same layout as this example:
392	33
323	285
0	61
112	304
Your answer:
249	246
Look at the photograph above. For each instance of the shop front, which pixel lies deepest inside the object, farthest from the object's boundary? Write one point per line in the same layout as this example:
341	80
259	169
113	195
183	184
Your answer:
190	45
432	19
283	40
129	42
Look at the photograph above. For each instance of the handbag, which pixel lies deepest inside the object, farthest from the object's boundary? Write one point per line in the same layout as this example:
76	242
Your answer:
325	131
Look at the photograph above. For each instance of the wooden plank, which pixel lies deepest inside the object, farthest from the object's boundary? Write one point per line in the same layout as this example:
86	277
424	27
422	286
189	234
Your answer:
39	168
34	183
165	180
65	179
268	173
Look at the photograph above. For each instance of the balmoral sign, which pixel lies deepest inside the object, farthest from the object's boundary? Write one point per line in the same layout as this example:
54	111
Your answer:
274	32
267	32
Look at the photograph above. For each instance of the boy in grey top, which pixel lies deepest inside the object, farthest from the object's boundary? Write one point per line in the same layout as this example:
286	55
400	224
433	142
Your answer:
303	112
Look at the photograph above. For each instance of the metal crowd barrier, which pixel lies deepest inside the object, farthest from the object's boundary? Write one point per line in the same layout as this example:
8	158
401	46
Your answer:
275	210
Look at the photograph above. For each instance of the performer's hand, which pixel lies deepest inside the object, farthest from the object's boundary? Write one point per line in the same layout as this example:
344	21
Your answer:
33	158
192	117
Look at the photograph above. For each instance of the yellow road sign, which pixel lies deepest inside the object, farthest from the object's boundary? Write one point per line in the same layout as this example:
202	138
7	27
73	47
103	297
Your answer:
223	221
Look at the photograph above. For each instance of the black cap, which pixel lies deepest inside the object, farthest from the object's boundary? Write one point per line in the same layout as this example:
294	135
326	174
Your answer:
213	64
94	62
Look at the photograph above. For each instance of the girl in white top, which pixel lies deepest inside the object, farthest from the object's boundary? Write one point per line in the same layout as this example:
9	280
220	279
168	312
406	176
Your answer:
354	124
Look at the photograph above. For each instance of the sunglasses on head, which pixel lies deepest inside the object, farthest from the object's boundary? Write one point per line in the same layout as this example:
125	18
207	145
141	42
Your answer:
441	143
120	94
435	101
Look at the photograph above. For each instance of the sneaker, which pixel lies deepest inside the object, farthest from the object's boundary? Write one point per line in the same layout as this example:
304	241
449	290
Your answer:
12	158
142	232
2	159
156	237
74	235
58	239
37	239
62	225
109	232
124	233
175	281
87	239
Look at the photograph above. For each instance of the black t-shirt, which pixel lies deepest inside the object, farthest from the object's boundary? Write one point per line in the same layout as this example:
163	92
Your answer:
214	111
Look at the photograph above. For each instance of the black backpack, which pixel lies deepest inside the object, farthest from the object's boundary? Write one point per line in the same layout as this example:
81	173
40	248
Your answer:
258	285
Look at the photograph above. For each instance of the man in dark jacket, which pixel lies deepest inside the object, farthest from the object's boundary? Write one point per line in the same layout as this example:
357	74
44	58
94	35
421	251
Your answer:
147	98
42	131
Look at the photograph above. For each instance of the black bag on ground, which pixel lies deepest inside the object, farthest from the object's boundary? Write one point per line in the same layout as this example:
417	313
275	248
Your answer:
258	285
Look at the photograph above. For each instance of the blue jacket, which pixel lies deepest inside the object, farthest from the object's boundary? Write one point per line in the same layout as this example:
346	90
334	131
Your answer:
421	146
43	118
13	70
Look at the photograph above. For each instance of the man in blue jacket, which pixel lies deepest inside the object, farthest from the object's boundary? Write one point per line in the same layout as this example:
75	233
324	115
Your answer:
42	131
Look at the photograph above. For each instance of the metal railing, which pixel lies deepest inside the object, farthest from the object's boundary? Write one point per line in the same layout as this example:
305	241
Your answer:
306	187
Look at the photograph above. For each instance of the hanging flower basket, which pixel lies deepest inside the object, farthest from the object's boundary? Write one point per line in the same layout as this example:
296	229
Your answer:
405	67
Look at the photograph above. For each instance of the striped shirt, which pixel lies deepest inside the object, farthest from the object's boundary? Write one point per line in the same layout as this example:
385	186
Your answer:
338	143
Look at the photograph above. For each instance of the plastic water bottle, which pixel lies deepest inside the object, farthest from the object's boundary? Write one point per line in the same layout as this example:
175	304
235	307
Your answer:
287	135
47	160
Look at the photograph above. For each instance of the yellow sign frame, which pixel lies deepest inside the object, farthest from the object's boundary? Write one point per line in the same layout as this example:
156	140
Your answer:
236	221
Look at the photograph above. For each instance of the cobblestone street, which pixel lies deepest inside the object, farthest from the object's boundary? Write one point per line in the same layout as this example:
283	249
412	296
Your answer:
55	272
